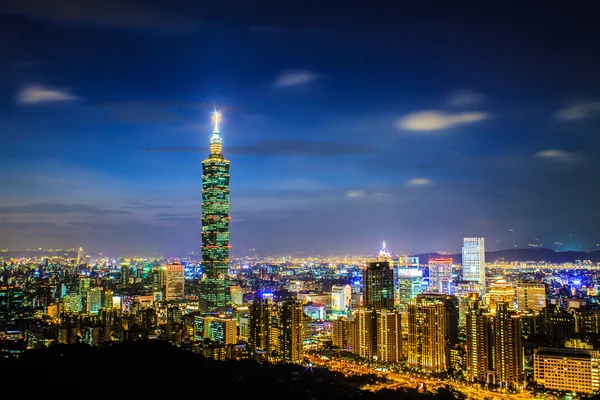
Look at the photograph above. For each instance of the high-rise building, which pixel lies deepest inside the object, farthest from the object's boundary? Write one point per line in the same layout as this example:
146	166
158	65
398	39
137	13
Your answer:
378	282
94	300
389	336
477	353
260	316
365	329
500	292
79	254
508	350
341	297
473	261
531	296
340	338
218	328
290	323
409	283
440	276
237	295
72	303
214	291
125	273
432	327
84	286
107	299
174	282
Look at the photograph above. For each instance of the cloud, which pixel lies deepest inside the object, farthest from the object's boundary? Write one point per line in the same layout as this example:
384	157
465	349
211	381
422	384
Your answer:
438	120
466	98
26	64
354	193
294	78
556	155
419	182
51	208
119	14
578	111
35	94
278	147
145	206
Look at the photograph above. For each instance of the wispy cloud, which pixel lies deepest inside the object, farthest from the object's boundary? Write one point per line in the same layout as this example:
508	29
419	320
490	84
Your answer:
438	120
578	111
51	208
278	147
293	78
146	206
354	194
26	64
119	14
556	155
35	94
466	98
419	182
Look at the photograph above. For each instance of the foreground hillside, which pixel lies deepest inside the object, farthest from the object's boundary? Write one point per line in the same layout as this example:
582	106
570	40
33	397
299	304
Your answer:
152	368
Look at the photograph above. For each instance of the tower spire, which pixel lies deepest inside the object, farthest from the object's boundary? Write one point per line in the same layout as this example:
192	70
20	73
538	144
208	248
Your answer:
216	145
216	120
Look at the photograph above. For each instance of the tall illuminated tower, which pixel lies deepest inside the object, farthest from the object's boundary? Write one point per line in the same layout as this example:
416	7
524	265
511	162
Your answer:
214	292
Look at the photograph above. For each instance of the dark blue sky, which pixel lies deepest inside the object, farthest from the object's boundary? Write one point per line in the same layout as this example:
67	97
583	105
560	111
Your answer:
346	124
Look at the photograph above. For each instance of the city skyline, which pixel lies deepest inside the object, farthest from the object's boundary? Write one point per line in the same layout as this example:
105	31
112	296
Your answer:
421	140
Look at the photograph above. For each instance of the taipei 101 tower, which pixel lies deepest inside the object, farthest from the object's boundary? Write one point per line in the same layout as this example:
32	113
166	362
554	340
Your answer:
214	295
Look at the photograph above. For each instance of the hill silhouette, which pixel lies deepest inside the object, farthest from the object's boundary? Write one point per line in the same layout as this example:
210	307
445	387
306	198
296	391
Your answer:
533	254
151	368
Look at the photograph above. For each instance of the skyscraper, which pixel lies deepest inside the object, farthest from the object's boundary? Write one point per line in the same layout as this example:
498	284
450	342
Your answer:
473	261
432	328
214	292
508	350
174	282
378	282
260	317
478	354
440	276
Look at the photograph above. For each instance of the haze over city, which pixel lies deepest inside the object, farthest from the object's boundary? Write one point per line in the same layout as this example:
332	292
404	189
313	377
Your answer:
344	127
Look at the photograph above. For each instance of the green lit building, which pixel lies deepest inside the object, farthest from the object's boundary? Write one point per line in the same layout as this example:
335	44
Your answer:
214	294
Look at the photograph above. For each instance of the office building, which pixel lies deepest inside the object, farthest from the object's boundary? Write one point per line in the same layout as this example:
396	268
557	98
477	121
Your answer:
221	329
174	282
94	300
531	296
341	297
237	295
473	261
214	293
500	292
567	369
409	282
440	276
378	282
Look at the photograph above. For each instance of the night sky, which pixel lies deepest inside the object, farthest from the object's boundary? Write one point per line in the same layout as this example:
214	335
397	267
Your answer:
346	124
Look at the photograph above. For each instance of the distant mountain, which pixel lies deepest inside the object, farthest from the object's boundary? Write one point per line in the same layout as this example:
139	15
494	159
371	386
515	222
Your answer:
533	254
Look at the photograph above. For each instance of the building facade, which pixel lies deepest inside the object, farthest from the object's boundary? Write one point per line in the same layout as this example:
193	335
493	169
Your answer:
473	261
214	294
174	282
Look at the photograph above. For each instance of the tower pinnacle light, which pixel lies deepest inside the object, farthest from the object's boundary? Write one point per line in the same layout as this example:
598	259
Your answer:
216	120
